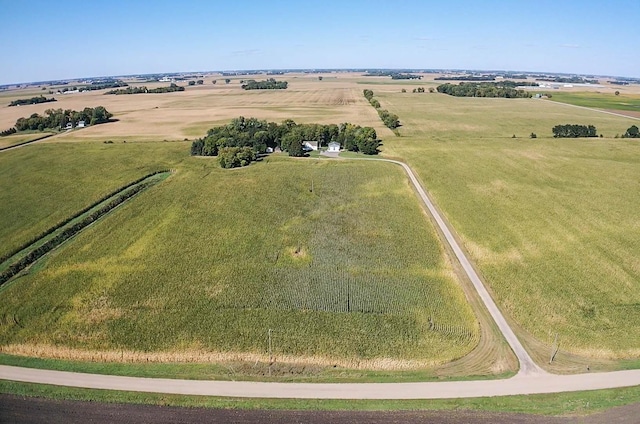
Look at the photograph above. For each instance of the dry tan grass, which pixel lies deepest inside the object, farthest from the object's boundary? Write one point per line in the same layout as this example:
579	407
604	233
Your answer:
203	356
189	114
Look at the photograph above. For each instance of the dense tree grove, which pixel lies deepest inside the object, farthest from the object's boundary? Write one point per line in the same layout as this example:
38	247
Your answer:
141	90
258	135
31	101
234	157
58	118
487	89
269	84
389	119
405	76
573	131
10	131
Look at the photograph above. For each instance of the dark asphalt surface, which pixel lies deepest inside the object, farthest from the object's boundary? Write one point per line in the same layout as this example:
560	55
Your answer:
23	410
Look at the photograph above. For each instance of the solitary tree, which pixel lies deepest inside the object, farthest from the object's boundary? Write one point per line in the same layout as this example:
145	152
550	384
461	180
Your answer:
617	93
214	81
319	77
632	132
192	83
227	81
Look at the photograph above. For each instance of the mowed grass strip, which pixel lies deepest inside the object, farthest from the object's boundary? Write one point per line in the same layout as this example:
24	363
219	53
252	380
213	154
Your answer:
552	224
351	272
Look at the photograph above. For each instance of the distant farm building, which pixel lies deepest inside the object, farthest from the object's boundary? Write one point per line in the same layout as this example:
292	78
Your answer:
310	145
80	124
334	147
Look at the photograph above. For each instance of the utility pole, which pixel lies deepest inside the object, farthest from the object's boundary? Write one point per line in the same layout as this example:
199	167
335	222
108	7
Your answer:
270	357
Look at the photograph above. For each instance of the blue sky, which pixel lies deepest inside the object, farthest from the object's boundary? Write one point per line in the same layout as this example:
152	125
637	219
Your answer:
44	40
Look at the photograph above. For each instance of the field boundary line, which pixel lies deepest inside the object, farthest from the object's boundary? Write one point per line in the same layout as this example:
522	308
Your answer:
15	146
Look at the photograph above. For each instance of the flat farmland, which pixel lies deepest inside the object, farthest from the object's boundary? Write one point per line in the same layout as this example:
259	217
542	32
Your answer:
551	223
204	264
189	114
44	183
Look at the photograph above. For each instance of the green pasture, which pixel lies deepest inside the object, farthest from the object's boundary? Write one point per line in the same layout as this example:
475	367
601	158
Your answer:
212	259
629	102
551	223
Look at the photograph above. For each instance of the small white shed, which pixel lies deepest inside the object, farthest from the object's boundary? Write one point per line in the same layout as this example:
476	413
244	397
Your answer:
334	147
310	145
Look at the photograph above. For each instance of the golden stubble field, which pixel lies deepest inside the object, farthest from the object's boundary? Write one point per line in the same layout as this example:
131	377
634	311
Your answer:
189	114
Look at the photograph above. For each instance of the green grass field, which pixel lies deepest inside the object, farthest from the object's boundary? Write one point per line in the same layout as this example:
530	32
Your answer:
351	273
552	224
45	183
629	102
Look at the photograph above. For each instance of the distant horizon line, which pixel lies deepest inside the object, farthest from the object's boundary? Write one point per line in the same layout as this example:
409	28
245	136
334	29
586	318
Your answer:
256	71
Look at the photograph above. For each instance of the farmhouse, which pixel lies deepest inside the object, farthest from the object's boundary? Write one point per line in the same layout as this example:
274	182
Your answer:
310	145
80	124
334	147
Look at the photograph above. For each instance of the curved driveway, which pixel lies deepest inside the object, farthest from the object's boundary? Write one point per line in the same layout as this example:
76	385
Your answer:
530	379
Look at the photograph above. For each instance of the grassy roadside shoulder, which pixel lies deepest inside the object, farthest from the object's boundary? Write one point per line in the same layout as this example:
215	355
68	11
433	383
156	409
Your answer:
575	403
236	372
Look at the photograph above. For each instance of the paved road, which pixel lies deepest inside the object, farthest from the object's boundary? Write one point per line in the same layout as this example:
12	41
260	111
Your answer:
529	380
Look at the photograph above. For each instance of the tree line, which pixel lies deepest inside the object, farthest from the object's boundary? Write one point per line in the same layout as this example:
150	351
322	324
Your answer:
104	85
268	84
476	78
124	194
10	131
253	135
58	118
485	89
141	90
405	76
32	101
389	119
574	130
